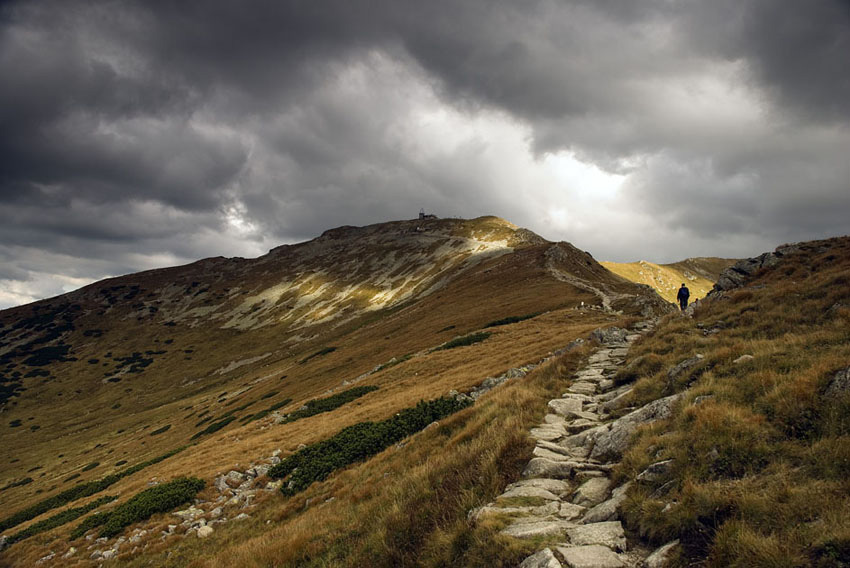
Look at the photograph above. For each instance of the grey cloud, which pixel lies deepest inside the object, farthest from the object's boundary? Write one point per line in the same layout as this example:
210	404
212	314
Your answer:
130	129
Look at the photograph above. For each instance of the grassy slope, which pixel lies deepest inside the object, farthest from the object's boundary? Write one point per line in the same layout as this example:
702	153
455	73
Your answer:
93	428
761	468
699	274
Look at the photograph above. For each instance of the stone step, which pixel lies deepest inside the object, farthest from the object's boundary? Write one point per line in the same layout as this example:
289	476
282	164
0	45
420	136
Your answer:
556	486
588	556
535	528
582	387
608	534
534	492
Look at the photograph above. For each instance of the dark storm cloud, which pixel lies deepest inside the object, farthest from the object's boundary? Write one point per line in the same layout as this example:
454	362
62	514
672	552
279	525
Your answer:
170	131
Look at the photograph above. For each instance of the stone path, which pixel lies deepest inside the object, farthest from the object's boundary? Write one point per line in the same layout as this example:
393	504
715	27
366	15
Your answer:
566	492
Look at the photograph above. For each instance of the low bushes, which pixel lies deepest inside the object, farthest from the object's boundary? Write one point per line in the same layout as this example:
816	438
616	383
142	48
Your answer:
59	519
512	319
320	405
157	499
78	492
465	340
357	442
214	427
318	353
165	428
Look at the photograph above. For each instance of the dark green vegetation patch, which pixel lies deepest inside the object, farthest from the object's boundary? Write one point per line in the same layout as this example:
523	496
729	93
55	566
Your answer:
78	492
22	482
59	519
512	319
165	428
142	506
320	405
358	442
318	353
214	427
464	340
266	412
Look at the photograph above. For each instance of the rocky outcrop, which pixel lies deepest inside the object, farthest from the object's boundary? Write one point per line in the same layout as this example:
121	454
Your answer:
839	385
739	273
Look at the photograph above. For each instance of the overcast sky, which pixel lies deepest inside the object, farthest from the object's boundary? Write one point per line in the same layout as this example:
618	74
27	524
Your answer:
136	135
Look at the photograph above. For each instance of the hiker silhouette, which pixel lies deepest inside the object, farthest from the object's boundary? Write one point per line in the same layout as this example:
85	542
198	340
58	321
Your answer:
683	296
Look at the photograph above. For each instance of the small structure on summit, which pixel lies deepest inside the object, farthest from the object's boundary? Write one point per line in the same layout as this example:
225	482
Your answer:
423	216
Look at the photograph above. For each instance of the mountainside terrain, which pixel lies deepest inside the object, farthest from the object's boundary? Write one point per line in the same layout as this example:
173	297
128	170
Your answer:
191	370
699	274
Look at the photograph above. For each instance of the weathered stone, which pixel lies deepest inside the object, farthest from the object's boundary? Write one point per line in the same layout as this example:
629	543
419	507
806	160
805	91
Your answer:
563	406
839	384
531	529
551	432
570	511
553	447
609	335
554	485
607	510
540	452
241	517
536	492
608	534
582	387
234	478
96	555
221	483
543	559
609	445
661	557
589	556
606	384
702	399
542	467
3	540
547	510
683	366
554	419
581	425
592	492
205	531
215	513
108	554
743	359
656	471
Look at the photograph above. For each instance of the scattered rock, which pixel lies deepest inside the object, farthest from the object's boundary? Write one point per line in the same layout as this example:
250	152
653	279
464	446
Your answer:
590	556
553	485
609	445
205	531
656	471
743	359
3	540
215	513
71	551
534	492
570	511
702	399
607	510
241	517
592	492
543	559
526	528
543	467
683	366
662	556
108	554
839	384
609	335
608	534
564	406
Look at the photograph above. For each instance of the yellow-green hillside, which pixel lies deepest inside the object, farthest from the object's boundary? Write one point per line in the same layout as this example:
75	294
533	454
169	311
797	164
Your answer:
699	274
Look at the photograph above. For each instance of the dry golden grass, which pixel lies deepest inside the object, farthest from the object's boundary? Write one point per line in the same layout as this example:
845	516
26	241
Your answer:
762	467
699	274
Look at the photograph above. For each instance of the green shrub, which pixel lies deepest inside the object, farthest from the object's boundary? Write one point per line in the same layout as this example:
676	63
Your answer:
142	506
464	340
214	427
394	361
266	412
20	483
318	353
360	441
59	519
320	405
165	428
78	492
512	319
91	466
